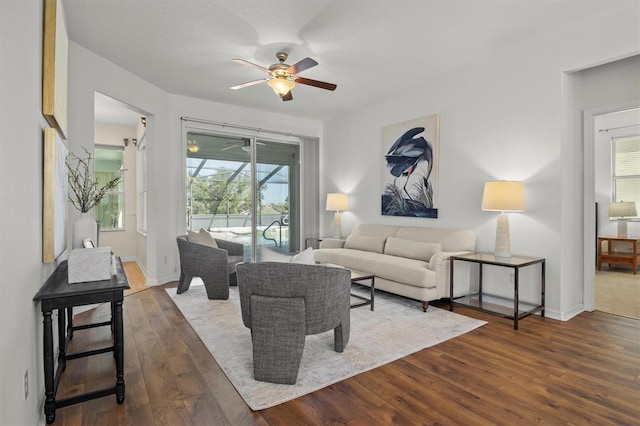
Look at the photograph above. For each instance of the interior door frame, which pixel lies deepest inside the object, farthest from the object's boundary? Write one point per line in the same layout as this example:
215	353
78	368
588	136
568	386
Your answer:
589	196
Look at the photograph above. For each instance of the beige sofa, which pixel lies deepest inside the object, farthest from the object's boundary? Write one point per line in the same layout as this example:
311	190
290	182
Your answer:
409	261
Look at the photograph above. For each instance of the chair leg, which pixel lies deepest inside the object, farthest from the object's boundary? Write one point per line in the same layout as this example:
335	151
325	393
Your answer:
217	288
233	279
183	283
340	337
342	331
278	335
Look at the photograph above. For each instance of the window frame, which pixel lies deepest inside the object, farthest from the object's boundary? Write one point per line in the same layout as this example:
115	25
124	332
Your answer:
615	177
141	185
121	194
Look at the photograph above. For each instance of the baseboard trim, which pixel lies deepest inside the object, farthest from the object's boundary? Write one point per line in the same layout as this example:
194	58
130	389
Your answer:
564	316
162	280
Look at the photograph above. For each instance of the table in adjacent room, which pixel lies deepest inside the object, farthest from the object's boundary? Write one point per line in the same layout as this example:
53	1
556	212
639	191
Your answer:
619	257
58	293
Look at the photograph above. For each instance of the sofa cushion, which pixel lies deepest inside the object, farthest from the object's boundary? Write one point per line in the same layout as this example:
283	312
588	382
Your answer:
450	239
365	243
375	230
411	249
202	237
394	268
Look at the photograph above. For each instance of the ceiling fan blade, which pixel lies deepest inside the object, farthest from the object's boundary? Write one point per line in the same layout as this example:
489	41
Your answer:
315	83
287	97
229	147
249	83
251	64
304	64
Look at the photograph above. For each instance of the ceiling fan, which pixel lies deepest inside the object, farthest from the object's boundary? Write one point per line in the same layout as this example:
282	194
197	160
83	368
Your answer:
245	145
282	77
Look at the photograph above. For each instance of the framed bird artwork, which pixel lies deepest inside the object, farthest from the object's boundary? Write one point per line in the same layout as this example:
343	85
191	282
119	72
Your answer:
411	152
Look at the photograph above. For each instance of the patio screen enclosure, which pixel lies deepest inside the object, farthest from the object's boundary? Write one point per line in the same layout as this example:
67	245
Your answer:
230	177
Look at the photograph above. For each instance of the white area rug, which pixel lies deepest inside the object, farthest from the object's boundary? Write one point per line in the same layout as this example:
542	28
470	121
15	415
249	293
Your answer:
398	327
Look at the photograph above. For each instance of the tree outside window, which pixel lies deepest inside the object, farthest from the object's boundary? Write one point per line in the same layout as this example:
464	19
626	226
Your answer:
216	195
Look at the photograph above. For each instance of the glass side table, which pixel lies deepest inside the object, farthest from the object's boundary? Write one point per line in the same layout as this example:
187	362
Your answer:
486	302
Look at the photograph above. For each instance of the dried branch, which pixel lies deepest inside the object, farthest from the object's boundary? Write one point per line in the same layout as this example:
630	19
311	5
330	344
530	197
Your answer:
84	194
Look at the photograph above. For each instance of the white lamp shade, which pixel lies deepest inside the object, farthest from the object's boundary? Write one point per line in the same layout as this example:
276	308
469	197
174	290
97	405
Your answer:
337	202
622	209
504	195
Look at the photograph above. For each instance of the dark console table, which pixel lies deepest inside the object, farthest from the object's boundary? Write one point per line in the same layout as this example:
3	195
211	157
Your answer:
57	293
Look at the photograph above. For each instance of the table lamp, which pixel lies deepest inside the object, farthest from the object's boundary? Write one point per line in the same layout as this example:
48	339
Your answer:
503	196
337	202
621	210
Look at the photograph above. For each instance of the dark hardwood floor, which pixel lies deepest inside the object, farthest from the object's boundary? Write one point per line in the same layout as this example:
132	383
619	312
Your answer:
583	371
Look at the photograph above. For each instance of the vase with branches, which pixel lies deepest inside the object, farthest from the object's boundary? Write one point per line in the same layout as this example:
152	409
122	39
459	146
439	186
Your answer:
85	193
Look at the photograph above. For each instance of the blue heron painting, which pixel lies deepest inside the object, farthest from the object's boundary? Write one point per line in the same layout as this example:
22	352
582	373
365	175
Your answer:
410	162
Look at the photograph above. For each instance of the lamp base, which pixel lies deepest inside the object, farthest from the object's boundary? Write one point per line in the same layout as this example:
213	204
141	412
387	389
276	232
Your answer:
503	238
622	228
337	233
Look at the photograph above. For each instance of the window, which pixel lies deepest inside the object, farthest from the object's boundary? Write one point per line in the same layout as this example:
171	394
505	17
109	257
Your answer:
252	197
110	212
626	169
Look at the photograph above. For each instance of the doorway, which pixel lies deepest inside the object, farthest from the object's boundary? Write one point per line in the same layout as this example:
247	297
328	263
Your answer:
613	289
245	189
122	129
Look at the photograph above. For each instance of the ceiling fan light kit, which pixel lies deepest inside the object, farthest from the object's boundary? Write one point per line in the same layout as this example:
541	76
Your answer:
281	85
192	146
282	76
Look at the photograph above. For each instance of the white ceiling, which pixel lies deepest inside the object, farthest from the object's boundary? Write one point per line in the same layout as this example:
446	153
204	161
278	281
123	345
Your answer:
110	111
369	48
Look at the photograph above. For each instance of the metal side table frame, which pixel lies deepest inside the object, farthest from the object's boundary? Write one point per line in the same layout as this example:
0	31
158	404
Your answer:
475	301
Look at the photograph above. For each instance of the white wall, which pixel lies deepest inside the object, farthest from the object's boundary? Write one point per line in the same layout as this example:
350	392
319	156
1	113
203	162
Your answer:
141	233
510	116
23	273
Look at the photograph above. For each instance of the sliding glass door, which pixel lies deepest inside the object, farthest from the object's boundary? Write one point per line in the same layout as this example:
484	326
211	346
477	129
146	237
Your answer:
246	190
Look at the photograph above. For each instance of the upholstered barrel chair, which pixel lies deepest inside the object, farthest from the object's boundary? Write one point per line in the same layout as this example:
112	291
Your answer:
284	302
216	266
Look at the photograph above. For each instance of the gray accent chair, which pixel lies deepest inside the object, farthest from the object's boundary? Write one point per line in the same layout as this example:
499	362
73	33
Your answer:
215	266
284	302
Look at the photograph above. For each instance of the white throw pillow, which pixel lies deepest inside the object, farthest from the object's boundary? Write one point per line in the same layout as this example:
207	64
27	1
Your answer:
365	243
305	257
202	237
411	249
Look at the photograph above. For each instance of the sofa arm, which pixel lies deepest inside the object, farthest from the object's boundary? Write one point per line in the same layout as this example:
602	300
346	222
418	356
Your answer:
439	263
332	243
